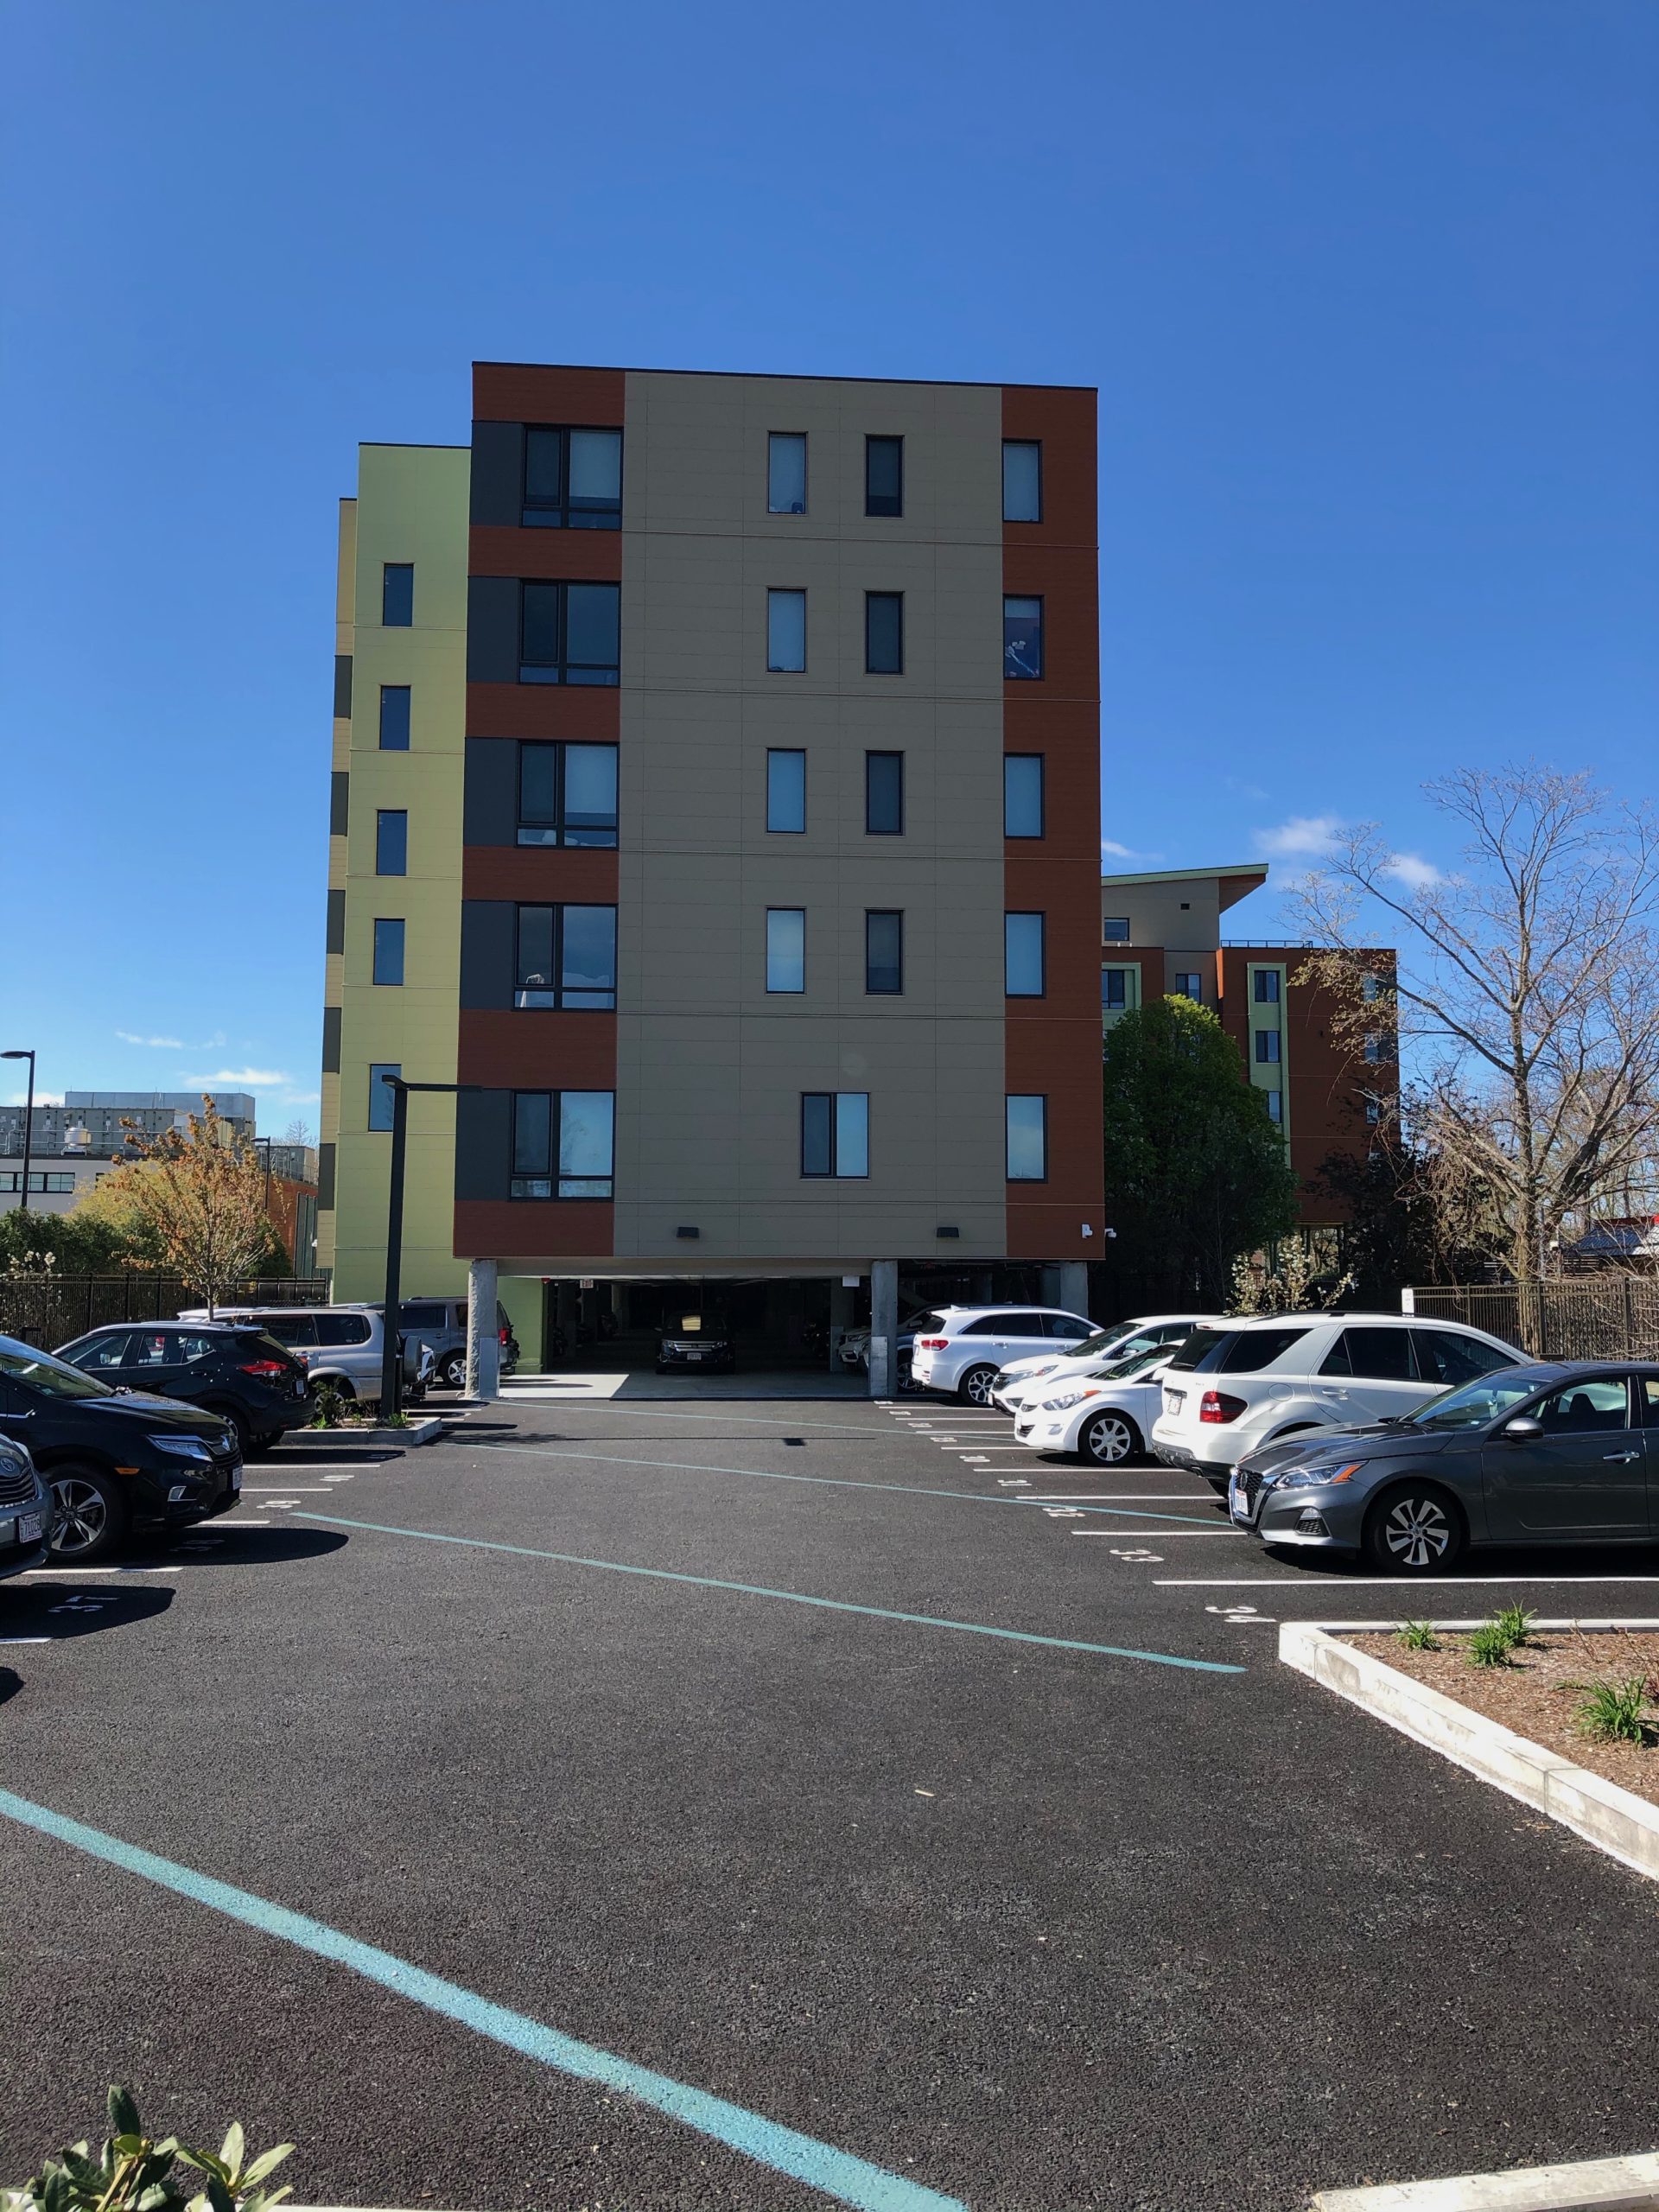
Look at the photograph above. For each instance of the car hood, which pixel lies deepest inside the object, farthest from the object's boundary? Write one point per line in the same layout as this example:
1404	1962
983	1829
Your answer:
1371	1440
160	1412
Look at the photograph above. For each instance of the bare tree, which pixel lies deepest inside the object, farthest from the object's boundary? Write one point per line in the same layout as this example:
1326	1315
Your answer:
1527	1002
197	1198
298	1131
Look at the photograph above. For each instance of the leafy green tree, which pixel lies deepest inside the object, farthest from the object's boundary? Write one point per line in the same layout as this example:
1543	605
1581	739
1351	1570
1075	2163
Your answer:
1195	1174
76	1243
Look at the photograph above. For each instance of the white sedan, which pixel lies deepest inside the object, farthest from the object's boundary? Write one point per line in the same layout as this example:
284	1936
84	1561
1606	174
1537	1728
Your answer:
1103	1416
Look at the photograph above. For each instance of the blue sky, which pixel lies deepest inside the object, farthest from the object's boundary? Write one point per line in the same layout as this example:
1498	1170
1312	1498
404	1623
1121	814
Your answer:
1368	288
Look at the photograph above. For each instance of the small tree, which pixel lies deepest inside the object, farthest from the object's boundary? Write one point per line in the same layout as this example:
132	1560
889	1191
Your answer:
1195	1174
195	1201
1297	1275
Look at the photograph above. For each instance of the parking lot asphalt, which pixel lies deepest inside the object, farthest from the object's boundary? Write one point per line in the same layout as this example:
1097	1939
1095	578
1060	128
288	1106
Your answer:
764	1806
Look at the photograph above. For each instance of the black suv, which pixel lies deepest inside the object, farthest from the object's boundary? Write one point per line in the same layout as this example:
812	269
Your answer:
228	1368
116	1460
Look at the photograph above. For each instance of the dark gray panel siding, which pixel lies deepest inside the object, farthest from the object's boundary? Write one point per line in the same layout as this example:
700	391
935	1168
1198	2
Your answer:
331	1040
483	1127
490	815
343	685
326	1154
491	630
498	471
334	939
486	953
339	790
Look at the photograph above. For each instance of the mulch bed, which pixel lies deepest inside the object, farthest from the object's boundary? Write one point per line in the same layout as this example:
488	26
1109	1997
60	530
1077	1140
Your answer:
1539	1693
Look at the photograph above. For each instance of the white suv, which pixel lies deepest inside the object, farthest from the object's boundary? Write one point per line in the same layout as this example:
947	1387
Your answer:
1107	1347
961	1348
1237	1385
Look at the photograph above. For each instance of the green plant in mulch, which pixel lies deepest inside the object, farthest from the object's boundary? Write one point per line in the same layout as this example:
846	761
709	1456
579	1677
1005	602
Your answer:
1616	1712
1418	1636
1516	1623
1491	1645
134	2173
326	1398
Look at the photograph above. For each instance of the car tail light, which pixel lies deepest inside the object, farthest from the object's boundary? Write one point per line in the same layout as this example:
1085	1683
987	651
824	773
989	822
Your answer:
931	1344
263	1367
504	1334
1216	1406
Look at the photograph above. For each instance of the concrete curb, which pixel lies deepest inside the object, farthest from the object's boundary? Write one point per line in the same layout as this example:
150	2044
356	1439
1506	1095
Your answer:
1614	1820
1597	2185
418	1432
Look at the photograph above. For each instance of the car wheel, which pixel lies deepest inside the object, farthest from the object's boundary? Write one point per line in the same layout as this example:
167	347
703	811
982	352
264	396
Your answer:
90	1516
453	1373
1415	1529
1106	1439
238	1425
974	1387
260	1447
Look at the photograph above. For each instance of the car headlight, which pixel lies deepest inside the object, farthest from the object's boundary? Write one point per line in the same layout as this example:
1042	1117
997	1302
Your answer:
182	1447
1062	1405
1306	1477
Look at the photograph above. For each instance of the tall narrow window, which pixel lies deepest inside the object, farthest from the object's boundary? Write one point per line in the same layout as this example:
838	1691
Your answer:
786	631
563	1144
388	952
1027	1138
1022	479
786	792
567	958
1022	640
392	842
1113	990
382	1099
1373	1048
1190	985
884	632
1023	795
566	794
1023	950
397	595
1266	986
836	1132
787	473
785	949
883	952
1267	1047
884	476
884	794
394	717
573	480
570	633
1276	1105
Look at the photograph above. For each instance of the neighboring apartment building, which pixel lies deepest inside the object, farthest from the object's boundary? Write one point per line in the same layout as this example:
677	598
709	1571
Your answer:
716	788
94	1121
1160	935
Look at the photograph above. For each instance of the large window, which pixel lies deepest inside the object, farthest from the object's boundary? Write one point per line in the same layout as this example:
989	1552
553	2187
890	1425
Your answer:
787	473
389	952
836	1132
1027	1138
1023	950
1022	479
563	1144
566	794
397	594
1023	795
392	842
1189	984
1022	640
1114	990
570	633
883	952
1266	986
786	792
786	631
785	949
884	794
394	717
884	634
1114	929
573	480
1266	1047
884	476
382	1097
567	958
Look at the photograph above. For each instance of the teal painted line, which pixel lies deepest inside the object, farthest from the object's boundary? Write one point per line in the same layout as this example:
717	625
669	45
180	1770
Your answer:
835	1482
835	2173
790	1597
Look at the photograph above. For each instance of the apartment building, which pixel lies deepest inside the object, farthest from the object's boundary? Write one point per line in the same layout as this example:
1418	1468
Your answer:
716	800
97	1122
1162	935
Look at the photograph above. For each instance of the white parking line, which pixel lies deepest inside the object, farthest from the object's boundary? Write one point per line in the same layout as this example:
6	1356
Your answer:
1117	1497
295	1489
1159	1533
82	1573
1393	1582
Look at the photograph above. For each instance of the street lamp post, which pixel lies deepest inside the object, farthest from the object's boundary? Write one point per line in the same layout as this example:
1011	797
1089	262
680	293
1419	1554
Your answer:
391	1364
29	1123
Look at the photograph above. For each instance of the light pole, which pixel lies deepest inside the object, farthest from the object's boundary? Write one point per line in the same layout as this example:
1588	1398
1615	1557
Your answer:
391	1364
29	1123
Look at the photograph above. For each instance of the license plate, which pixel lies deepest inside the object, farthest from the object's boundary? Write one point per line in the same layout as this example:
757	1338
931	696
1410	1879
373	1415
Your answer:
299	1386
1239	1503
1174	1400
236	1480
31	1527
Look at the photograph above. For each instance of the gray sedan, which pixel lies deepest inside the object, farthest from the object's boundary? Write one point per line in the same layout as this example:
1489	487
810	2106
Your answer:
1549	1454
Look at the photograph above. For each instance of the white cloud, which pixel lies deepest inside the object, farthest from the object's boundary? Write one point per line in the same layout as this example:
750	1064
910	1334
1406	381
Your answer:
156	1044
1308	836
1110	849
1416	874
301	1098
241	1079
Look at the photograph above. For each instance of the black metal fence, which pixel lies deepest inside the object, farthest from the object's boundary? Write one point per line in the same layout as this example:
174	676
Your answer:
1601	1316
47	1311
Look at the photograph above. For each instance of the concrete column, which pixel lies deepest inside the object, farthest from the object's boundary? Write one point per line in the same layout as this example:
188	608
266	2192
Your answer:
884	1327
1074	1286
840	1319
483	1332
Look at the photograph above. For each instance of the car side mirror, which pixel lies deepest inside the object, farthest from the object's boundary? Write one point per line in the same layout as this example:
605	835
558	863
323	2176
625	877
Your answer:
1522	1429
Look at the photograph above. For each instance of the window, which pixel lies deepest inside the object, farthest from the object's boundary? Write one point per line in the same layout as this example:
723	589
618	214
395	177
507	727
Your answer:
884	476
1594	1405
397	595
786	793
786	631
566	794
1114	990
382	1097
1028	1135
1448	1360
1022	955
1373	1049
103	1351
569	633
573	480
563	1144
1371	1356
785	949
884	953
388	952
43	1182
1065	1330
1114	929
567	958
394	717
1022	640
787	473
884	634
1373	1111
392	842
1022	480
1023	795
836	1132
1275	1102
428	1317
1370	988
1190	985
884	794
1266	986
1267	1047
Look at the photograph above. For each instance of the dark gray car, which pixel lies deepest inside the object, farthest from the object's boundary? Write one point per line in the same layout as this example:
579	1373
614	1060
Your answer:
1549	1454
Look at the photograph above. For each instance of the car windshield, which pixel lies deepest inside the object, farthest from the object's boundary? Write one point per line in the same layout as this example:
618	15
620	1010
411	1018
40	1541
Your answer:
1139	1363
1473	1404
53	1378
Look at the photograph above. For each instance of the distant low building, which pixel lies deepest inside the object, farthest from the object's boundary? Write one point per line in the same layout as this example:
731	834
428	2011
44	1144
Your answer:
57	1182
91	1121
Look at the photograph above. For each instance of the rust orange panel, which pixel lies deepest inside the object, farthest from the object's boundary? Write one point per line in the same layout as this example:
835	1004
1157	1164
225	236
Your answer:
519	391
544	710
559	556
549	1229
515	1051
536	872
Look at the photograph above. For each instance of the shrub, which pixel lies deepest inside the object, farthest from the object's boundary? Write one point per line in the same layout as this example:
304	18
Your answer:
1516	1623
329	1406
132	2171
1491	1645
1418	1636
1614	1711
